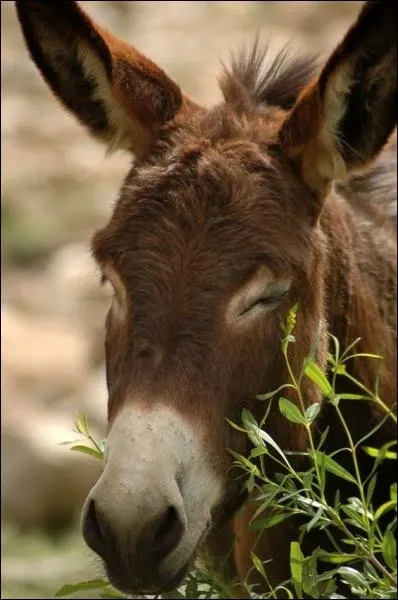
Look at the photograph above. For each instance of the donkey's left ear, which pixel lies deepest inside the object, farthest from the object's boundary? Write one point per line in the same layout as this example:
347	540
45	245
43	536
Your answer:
342	120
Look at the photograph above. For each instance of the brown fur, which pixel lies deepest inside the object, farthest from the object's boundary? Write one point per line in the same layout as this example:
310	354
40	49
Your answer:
215	194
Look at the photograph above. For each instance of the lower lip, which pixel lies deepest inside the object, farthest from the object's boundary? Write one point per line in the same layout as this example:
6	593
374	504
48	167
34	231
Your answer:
177	579
172	583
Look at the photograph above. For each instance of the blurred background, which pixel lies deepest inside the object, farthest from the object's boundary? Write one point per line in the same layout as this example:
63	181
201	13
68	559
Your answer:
57	188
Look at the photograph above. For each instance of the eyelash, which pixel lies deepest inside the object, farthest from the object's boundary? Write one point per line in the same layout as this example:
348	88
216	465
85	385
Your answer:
104	283
269	301
273	299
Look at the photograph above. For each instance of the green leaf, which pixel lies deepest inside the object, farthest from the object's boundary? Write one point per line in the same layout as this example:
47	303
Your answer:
296	566
251	427
389	550
258	564
269	496
309	502
370	489
315	519
310	573
323	437
270	395
290	411
317	376
307	480
356	518
393	492
334	557
268	439
325	576
332	466
249	466
352	576
81	424
191	590
340	369
259	451
381	453
69	442
336	343
312	411
87	450
387	506
357	505
250	483
235	426
339	397
336	502
363	355
110	592
73	588
285	590
269	521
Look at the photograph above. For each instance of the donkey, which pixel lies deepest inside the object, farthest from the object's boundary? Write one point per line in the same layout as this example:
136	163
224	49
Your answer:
229	216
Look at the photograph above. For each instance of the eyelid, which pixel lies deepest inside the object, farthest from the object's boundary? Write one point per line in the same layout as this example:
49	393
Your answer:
278	288
263	285
111	277
272	295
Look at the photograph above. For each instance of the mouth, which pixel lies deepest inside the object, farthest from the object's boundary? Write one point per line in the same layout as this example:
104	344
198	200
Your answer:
154	587
155	584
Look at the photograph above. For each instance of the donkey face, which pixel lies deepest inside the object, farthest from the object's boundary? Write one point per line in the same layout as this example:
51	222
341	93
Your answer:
214	236
201	281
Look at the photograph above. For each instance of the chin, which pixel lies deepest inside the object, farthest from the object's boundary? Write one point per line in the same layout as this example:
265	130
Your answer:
159	583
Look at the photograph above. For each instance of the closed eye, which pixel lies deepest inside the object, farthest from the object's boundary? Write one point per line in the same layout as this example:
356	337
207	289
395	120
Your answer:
270	301
110	278
107	285
262	294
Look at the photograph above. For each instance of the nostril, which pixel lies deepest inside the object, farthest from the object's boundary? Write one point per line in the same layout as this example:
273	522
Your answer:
92	529
168	530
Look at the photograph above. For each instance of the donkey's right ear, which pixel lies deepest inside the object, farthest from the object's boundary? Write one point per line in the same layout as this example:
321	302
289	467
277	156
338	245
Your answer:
117	93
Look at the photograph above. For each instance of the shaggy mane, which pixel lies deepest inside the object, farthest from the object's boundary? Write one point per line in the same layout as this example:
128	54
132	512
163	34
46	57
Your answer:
277	84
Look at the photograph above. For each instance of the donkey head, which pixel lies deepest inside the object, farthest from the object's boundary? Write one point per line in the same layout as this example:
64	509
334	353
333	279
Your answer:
215	235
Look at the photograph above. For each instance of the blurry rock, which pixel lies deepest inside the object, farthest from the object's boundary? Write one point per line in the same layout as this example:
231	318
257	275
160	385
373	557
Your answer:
43	350
43	484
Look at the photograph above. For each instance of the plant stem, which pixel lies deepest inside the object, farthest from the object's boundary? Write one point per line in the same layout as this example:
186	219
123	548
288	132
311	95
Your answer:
356	467
307	426
370	557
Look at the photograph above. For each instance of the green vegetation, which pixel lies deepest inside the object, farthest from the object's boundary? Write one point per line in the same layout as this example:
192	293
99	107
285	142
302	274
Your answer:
34	563
360	552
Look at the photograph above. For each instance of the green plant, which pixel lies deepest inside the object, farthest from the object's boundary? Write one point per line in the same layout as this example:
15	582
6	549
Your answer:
360	553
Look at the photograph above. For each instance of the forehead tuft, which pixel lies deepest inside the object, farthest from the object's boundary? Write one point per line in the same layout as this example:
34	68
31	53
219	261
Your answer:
213	142
214	182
